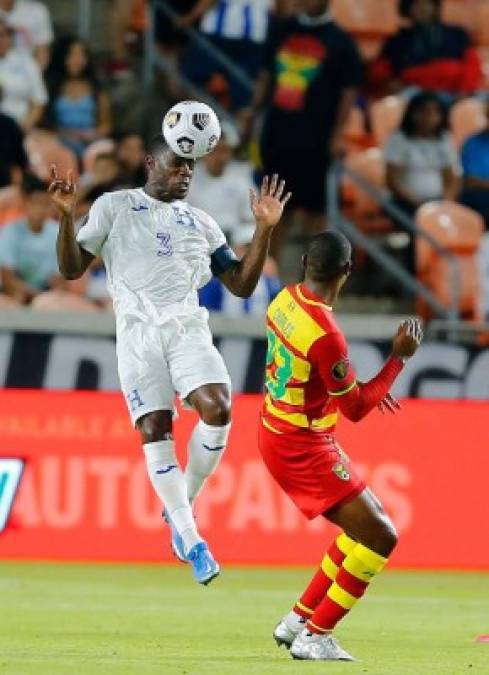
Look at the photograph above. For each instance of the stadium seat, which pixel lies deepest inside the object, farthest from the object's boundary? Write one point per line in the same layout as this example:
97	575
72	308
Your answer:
11	207
459	230
467	117
370	21
44	149
355	134
386	115
369	216
481	23
460	13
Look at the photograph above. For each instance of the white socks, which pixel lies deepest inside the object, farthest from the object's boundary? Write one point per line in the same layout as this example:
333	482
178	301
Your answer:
170	486
205	449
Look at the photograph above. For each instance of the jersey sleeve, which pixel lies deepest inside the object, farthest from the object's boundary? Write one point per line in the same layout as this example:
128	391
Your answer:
222	255
94	232
330	353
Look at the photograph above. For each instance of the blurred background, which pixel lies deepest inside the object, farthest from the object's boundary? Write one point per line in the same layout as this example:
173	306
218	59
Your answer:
381	131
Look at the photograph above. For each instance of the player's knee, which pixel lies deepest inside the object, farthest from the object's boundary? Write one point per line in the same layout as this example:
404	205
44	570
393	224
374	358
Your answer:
217	410
156	426
387	537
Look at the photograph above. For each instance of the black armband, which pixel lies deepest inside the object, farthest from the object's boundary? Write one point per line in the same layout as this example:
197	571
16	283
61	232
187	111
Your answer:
222	260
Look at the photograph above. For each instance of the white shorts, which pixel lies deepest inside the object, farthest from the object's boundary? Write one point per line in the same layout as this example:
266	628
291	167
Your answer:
156	363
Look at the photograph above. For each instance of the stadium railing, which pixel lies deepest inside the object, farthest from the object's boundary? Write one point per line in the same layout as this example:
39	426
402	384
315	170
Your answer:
337	219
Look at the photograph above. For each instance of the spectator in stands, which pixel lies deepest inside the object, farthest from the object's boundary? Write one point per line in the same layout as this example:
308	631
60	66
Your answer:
130	153
475	165
28	263
427	54
236	27
306	89
104	177
32	24
24	94
79	110
221	187
216	298
12	152
422	163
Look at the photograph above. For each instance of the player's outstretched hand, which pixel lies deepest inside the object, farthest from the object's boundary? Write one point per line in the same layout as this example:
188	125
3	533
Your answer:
63	192
268	206
408	338
389	404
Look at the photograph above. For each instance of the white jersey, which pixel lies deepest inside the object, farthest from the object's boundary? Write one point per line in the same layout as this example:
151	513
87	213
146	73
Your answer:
157	255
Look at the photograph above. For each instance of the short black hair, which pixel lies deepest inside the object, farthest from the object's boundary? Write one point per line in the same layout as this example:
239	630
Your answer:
158	145
415	104
32	183
405	7
327	255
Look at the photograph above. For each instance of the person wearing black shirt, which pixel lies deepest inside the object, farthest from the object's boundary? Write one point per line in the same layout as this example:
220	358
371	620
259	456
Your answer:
11	149
306	90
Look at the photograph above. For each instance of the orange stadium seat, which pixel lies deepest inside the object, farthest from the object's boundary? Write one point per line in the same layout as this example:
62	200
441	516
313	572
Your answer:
370	21
11	207
386	115
481	23
370	165
460	13
43	149
355	133
459	230
467	117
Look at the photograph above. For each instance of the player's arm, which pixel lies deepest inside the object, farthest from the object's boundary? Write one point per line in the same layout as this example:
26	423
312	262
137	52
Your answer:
73	260
356	400
242	277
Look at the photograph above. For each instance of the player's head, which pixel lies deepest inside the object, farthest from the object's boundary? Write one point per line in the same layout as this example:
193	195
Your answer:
328	259
169	175
420	11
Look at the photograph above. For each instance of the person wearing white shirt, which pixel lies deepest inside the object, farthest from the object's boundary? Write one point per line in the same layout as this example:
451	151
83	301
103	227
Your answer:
32	23
158	251
221	187
23	92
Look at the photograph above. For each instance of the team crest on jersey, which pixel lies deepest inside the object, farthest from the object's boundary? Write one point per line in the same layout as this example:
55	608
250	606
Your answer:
172	119
340	369
186	145
341	471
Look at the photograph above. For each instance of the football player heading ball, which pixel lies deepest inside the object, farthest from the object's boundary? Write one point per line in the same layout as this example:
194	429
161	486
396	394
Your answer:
158	251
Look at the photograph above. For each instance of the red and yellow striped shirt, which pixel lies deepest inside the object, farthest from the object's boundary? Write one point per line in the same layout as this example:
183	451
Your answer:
307	364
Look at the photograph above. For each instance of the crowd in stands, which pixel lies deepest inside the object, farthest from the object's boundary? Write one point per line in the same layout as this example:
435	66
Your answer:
397	88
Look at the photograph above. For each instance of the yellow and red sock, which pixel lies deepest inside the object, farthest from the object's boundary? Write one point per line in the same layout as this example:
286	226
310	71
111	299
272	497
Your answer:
355	574
325	576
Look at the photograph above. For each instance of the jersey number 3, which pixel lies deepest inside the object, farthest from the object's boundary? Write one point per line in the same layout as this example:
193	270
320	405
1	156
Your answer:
164	244
279	355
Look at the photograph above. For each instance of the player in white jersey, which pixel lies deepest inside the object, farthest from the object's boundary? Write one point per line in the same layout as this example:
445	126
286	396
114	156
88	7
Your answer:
158	251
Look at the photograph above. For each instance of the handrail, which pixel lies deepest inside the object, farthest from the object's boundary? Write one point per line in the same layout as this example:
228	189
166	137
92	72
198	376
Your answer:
338	220
238	73
398	214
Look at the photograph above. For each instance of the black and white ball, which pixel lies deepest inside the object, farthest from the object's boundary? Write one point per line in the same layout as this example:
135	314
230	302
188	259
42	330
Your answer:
191	129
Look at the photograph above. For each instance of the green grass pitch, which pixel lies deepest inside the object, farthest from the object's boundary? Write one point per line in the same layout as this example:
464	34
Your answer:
146	619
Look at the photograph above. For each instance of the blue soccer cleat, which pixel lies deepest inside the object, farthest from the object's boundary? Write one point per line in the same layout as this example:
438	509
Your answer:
204	566
176	540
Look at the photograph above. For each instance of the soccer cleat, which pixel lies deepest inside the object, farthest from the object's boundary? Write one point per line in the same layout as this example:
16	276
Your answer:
312	647
204	566
176	540
285	633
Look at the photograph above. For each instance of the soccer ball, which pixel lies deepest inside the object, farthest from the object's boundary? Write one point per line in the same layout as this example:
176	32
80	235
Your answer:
191	129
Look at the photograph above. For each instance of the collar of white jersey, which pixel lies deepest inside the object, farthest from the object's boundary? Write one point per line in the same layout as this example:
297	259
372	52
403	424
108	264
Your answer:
307	20
158	201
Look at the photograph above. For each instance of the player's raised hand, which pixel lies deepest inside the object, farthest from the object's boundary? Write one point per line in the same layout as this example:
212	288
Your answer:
389	404
268	206
408	338
63	192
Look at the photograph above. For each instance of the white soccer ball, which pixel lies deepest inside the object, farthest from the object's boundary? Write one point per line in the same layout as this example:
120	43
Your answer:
191	129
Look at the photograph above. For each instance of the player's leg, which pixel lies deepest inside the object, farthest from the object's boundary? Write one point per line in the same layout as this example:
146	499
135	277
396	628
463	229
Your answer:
367	524
167	478
209	438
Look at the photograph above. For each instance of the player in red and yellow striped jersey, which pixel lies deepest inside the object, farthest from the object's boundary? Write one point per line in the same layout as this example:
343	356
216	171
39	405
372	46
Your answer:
309	381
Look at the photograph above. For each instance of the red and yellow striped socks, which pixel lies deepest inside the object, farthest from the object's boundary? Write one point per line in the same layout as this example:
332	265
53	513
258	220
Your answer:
325	576
355	574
